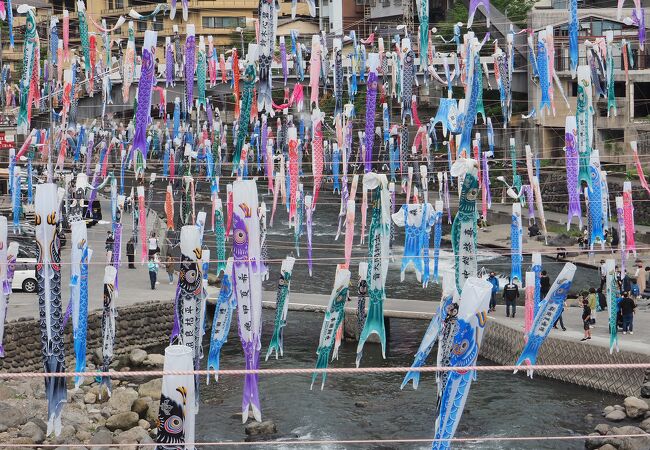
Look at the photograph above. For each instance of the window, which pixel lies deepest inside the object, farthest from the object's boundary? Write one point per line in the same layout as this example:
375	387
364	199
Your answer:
119	4
223	22
156	26
109	4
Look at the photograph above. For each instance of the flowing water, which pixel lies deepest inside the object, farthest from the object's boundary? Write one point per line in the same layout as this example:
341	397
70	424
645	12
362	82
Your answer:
372	406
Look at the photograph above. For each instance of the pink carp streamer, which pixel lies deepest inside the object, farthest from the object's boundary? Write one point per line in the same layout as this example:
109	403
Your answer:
639	168
309	212
620	216
628	216
529	306
572	170
317	151
142	224
293	171
314	70
66	34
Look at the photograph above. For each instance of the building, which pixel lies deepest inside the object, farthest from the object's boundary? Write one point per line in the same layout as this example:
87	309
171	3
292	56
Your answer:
632	121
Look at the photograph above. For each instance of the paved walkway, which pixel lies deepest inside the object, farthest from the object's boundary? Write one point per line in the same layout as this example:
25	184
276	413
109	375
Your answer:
414	309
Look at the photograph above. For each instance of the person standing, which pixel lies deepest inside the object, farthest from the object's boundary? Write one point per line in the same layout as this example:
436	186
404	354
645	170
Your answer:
627	307
130	252
108	246
169	267
510	295
641	279
603	274
494	281
153	272
586	319
545	284
593	301
153	244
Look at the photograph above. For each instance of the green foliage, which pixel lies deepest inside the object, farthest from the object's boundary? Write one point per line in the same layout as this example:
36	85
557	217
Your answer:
457	13
515	10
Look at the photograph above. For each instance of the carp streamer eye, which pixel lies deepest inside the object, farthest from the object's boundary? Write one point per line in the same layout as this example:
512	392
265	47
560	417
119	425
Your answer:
240	237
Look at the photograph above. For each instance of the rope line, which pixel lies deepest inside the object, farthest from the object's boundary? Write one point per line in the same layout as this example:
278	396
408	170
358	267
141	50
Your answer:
579	437
330	370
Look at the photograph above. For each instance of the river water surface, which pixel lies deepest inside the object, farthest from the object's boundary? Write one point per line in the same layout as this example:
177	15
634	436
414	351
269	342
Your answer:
372	406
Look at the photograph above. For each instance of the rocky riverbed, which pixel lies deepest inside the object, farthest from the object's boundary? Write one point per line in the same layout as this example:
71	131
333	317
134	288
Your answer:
630	418
90	417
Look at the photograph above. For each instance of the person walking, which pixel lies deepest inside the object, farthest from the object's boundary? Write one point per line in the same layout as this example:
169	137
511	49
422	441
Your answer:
586	319
153	272
130	252
494	281
510	295
169	267
627	308
560	320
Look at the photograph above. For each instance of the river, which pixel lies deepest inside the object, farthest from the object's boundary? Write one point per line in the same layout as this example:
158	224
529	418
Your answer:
499	404
372	406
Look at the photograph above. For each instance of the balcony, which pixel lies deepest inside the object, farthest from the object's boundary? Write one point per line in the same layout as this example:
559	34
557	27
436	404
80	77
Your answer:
194	5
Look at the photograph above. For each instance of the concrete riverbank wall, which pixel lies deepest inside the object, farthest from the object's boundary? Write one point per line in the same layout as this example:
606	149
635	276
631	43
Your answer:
149	324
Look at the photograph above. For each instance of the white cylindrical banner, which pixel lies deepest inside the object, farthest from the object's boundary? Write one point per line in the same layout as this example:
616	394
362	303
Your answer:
176	415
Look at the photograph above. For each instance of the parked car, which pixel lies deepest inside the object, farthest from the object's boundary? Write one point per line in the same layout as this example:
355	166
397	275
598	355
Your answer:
25	272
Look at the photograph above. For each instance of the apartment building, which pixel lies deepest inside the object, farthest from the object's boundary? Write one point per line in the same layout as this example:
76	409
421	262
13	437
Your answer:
632	120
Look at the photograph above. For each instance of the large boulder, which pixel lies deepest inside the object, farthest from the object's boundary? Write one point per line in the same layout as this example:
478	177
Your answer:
32	431
137	357
122	399
154	360
260	428
615	416
645	425
90	398
152	411
635	407
629	443
10	416
136	435
122	421
151	389
602	428
7	392
140	406
102	436
645	390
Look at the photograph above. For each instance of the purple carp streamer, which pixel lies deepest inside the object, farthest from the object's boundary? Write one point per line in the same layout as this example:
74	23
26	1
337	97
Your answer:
145	90
473	6
190	65
247	279
371	103
572	170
